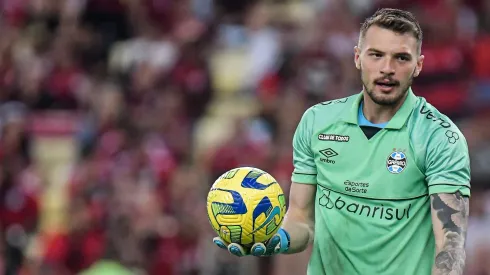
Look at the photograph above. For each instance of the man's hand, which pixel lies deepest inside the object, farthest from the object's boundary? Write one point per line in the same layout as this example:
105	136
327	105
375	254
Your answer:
279	243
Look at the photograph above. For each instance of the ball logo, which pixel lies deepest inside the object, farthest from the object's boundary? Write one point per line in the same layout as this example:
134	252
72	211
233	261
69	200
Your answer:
396	163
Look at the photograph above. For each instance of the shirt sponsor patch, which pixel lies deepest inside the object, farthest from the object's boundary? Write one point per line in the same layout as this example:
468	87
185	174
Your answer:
332	137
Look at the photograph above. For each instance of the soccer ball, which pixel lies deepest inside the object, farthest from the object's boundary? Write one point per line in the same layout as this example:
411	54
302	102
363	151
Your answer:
246	205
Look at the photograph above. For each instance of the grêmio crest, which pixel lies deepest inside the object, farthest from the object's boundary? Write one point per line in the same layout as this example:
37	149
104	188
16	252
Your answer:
396	162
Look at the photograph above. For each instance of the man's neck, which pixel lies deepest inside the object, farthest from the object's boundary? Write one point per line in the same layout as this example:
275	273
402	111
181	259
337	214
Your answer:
376	113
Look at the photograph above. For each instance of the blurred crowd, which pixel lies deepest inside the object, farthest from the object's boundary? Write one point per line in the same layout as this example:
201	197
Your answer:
116	116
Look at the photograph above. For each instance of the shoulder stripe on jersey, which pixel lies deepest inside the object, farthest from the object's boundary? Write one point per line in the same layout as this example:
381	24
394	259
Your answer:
376	199
451	184
304	174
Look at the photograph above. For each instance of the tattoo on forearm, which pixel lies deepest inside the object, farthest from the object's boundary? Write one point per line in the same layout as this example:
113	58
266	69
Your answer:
452	212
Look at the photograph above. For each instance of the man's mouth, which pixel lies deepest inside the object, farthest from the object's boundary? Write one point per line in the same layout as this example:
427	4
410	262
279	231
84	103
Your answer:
386	85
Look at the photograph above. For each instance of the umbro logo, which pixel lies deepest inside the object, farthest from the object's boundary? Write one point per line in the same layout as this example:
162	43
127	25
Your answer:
328	153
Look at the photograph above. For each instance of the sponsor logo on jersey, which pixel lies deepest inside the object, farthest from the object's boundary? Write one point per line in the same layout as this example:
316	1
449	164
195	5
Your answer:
396	162
333	137
430	116
452	136
356	187
336	101
335	201
328	153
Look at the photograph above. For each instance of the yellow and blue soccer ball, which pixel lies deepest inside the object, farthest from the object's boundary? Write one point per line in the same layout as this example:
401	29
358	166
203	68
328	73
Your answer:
246	205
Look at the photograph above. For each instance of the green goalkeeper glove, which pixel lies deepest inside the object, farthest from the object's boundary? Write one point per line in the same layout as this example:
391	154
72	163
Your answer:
279	243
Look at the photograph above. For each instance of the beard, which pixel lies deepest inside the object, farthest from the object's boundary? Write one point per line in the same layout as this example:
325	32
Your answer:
398	93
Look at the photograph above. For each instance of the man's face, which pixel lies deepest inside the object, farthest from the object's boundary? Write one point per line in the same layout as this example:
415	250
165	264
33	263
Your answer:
388	62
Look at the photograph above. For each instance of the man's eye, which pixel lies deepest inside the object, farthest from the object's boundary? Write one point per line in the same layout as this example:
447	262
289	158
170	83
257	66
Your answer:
376	54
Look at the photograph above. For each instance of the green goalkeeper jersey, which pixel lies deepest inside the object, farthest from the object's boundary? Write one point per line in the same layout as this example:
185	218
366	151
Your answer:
372	205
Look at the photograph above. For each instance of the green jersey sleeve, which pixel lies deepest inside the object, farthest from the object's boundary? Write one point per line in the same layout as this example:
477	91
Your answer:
303	159
448	162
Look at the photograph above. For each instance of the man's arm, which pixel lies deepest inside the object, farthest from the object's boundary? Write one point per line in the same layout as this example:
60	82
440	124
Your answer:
299	220
450	221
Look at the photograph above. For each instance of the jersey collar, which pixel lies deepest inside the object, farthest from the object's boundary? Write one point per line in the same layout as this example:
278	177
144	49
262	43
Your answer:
396	122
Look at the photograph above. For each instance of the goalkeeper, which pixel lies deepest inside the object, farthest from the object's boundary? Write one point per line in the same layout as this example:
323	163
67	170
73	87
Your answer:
381	179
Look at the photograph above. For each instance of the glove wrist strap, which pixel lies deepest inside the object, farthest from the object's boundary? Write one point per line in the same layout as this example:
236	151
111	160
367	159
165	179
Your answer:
285	240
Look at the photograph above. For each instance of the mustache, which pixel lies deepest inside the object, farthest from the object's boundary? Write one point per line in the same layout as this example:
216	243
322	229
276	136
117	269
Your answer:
391	81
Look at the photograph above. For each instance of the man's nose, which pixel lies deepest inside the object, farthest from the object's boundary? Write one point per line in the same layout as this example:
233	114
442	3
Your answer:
388	68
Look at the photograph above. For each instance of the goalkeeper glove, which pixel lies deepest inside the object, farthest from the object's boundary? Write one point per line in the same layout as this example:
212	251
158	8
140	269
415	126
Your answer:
279	243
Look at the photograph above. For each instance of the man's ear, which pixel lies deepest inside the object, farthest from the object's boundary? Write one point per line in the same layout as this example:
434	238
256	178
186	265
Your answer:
357	54
420	65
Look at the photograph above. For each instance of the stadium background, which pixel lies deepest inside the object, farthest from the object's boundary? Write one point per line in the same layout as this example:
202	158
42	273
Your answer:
116	116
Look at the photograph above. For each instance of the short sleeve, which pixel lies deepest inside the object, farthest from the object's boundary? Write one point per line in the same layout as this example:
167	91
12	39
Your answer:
448	163
303	159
